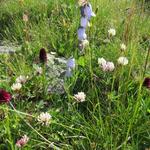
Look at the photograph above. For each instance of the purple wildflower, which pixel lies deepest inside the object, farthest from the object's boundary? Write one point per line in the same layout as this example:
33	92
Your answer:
81	34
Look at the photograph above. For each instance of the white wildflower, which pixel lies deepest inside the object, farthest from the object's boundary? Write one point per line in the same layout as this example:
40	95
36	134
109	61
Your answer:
123	61
21	79
44	118
111	32
38	69
110	66
80	96
123	47
101	61
16	86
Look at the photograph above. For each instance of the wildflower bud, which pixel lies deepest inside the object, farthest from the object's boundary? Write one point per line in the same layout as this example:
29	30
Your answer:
25	18
43	55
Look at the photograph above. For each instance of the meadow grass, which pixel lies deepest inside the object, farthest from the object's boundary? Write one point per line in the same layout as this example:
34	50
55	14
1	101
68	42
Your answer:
116	113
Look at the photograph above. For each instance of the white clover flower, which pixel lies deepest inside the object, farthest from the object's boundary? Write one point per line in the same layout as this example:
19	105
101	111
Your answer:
106	66
21	79
123	61
44	118
38	69
110	66
80	96
111	32
101	61
16	86
123	47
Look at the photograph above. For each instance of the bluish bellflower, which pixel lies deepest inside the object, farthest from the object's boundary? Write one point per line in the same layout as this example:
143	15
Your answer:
81	34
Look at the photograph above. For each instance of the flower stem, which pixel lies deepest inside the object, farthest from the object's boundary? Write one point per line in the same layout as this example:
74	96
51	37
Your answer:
146	62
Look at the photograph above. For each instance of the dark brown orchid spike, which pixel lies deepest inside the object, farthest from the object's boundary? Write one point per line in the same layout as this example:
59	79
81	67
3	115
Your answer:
5	97
146	82
43	55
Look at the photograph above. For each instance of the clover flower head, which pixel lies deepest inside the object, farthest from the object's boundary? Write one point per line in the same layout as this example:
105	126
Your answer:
111	32
21	79
23	141
16	86
80	96
44	118
123	61
102	61
110	66
123	47
38	69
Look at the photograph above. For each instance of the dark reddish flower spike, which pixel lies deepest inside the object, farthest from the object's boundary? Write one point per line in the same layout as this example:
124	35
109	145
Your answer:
146	82
5	97
43	55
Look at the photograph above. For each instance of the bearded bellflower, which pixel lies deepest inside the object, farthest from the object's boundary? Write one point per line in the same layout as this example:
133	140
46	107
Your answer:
86	14
81	34
70	66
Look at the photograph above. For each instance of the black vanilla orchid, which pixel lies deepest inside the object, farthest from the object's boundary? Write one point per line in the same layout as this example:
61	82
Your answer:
5	97
43	55
146	82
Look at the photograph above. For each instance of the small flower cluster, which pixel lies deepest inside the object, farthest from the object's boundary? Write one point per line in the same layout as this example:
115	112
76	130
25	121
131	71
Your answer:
106	65
44	118
86	14
80	97
19	82
23	141
70	66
